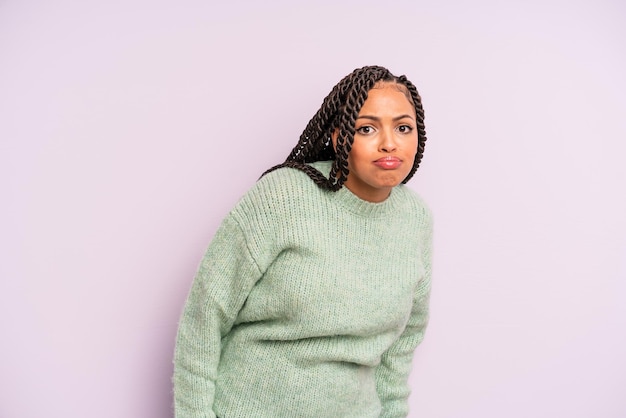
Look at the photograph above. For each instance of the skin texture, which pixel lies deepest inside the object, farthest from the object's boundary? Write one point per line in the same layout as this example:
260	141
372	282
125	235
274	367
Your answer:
385	127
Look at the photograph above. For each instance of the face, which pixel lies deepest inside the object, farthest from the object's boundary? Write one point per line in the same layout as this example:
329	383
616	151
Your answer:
385	143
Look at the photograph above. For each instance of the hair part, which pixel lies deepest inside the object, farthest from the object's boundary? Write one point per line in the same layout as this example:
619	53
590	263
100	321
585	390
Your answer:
338	113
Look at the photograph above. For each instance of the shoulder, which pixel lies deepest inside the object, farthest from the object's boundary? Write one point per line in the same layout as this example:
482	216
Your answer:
414	202
285	183
284	177
278	192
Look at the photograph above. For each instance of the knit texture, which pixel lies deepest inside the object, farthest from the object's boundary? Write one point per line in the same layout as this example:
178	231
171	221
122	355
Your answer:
307	303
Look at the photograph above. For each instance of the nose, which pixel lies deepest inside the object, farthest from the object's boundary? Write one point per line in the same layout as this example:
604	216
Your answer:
387	142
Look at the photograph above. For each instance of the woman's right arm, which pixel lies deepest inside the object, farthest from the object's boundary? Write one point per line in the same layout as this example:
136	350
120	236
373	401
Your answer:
225	277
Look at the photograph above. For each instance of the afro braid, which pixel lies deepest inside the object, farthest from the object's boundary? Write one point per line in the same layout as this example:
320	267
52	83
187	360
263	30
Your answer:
339	112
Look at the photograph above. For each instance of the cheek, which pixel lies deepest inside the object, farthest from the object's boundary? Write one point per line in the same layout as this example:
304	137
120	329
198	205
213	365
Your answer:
414	146
359	153
351	160
354	158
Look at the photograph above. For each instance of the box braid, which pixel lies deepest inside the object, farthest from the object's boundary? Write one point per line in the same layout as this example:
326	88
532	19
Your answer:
339	111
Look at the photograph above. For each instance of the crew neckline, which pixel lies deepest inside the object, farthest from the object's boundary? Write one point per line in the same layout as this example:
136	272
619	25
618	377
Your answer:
355	204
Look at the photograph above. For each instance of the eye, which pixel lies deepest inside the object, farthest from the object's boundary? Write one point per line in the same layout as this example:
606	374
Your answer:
405	129
364	130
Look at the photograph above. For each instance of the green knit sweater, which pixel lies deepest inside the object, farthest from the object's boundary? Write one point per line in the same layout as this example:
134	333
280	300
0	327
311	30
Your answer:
307	303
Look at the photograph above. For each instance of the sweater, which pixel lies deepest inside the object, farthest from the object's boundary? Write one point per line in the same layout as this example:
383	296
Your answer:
307	303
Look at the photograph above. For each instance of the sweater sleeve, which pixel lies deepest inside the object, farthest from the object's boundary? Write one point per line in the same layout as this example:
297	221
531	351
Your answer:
225	277
393	371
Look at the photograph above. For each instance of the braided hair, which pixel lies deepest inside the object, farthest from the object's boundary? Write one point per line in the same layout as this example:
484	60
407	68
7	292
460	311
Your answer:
339	112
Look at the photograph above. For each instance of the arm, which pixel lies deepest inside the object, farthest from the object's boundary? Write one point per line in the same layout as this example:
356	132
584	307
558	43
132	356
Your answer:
393	371
224	280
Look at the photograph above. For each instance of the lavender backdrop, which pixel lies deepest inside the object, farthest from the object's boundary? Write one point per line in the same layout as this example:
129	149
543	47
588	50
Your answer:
128	129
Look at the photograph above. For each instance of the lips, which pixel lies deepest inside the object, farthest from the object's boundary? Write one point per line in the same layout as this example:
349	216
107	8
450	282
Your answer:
388	163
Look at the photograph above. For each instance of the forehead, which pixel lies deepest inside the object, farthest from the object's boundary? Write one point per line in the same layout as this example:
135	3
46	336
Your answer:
393	85
388	97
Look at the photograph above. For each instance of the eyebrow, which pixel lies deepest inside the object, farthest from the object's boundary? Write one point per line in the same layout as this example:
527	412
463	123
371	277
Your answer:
376	118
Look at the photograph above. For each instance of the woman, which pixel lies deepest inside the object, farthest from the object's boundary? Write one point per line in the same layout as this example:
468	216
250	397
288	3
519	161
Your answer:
314	292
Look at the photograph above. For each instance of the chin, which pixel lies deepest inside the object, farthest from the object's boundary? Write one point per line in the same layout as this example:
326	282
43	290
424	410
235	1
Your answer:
389	183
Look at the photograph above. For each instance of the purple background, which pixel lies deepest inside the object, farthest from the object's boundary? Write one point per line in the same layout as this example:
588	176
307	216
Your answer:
128	129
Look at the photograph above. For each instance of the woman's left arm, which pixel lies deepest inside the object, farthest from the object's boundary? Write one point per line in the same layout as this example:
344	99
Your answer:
393	371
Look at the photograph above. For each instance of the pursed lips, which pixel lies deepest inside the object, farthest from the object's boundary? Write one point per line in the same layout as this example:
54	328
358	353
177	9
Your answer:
388	163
